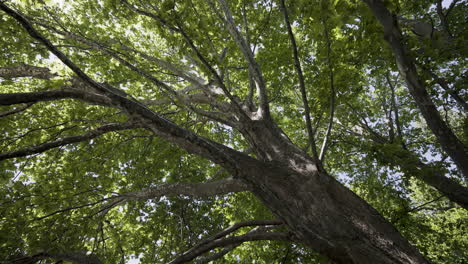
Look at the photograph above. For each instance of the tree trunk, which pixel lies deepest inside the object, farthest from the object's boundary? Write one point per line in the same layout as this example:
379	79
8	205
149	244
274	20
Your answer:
321	212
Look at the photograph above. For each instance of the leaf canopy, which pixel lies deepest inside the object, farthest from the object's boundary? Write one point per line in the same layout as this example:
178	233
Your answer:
60	200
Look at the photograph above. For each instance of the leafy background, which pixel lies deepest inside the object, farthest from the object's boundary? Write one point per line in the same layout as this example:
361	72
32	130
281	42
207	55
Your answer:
34	189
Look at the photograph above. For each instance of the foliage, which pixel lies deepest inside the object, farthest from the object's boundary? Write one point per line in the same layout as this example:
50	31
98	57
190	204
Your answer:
54	201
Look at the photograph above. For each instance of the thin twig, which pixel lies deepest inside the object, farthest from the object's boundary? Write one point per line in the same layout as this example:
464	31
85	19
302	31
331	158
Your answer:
332	96
297	66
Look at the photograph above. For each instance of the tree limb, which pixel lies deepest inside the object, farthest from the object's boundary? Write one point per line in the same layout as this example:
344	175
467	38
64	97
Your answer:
377	137
36	35
332	96
406	65
68	140
217	255
254	68
196	98
185	74
443	17
179	29
218	241
25	70
189	189
249	99
297	66
70	208
184	99
255	236
160	126
443	83
173	93
395	108
106	50
34	97
16	110
412	165
417	208
236	226
204	189
74	257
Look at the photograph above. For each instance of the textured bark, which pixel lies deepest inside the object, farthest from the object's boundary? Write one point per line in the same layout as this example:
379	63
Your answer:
321	212
329	218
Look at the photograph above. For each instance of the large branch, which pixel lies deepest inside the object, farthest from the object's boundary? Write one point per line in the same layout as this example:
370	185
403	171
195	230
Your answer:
200	190
254	68
186	99
16	110
443	17
217	255
68	140
180	30
36	35
255	236
34	97
160	126
75	207
74	257
220	239
187	74
412	166
194	98
25	70
205	189
100	46
106	50
447	139
297	65
236	226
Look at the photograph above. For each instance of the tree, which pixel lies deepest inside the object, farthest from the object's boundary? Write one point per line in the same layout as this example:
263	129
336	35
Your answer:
136	129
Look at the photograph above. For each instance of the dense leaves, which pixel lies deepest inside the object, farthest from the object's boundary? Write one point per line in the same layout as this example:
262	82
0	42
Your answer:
66	199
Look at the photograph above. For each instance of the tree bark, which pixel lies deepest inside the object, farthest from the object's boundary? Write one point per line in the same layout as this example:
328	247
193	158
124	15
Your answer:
329	218
320	211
